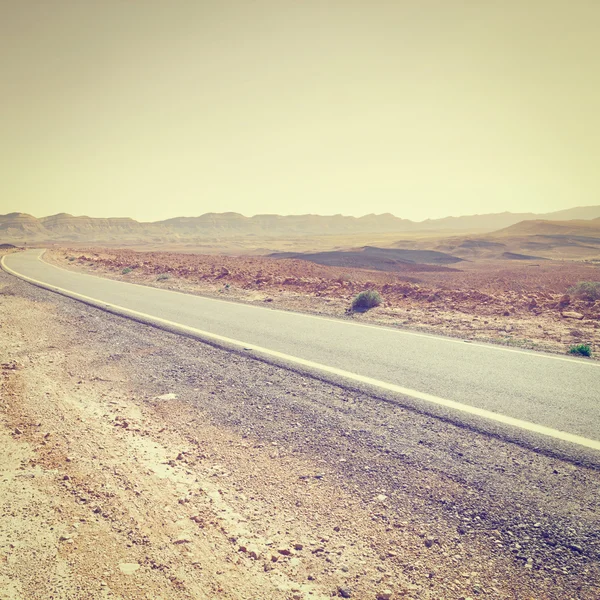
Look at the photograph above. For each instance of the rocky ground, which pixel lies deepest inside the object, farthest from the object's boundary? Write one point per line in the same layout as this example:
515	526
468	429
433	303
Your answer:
138	464
505	302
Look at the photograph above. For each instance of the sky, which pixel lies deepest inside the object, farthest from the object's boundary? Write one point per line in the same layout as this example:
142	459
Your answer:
425	108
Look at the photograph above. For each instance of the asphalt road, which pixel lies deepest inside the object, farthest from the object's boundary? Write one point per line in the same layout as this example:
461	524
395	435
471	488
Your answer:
514	390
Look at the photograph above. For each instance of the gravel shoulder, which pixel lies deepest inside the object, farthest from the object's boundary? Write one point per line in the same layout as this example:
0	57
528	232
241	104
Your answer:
139	464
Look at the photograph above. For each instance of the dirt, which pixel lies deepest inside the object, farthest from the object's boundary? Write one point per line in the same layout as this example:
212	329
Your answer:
503	302
143	465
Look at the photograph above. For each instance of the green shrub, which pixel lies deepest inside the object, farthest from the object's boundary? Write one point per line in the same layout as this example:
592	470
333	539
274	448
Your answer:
162	277
586	290
126	270
366	300
581	350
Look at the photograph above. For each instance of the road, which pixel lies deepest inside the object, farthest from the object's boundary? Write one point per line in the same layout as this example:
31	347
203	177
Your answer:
521	392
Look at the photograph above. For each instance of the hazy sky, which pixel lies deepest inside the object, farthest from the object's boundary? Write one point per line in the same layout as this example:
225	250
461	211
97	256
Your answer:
423	108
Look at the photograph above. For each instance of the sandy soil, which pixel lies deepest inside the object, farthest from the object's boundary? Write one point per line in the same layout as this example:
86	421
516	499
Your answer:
504	302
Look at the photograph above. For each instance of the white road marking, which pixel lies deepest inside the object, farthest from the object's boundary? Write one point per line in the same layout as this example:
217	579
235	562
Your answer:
341	321
472	410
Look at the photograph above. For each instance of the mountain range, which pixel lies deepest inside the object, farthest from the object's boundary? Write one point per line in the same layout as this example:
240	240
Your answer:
25	228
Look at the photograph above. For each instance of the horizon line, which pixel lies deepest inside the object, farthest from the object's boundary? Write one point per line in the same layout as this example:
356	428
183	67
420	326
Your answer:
300	215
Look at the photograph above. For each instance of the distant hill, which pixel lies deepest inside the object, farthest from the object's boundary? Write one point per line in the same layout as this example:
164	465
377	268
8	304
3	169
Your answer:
380	259
63	227
575	228
528	240
494	221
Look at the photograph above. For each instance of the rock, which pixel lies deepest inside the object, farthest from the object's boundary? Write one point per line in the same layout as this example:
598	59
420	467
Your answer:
381	498
284	550
250	549
182	539
344	592
384	595
166	397
429	541
571	314
128	568
565	300
18	431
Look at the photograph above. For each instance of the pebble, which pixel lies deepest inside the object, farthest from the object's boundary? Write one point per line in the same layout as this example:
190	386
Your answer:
129	568
182	539
166	397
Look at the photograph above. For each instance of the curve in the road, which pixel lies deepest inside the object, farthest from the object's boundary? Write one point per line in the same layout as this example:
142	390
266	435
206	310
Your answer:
471	408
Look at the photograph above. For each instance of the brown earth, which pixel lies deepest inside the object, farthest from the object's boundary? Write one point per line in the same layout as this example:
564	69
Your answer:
145	465
515	303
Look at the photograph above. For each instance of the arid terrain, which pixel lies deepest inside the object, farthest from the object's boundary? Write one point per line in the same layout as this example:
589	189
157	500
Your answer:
522	303
146	465
142	464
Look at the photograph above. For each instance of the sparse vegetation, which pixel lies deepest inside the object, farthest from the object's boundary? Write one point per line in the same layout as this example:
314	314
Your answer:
162	277
366	300
586	290
580	350
126	270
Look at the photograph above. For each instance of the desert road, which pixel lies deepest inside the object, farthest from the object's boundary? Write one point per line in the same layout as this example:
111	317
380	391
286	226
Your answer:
510	391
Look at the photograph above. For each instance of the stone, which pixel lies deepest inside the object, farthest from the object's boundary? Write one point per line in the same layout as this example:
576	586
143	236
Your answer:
182	539
565	300
166	397
571	314
384	595
128	568
344	592
429	541
250	549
